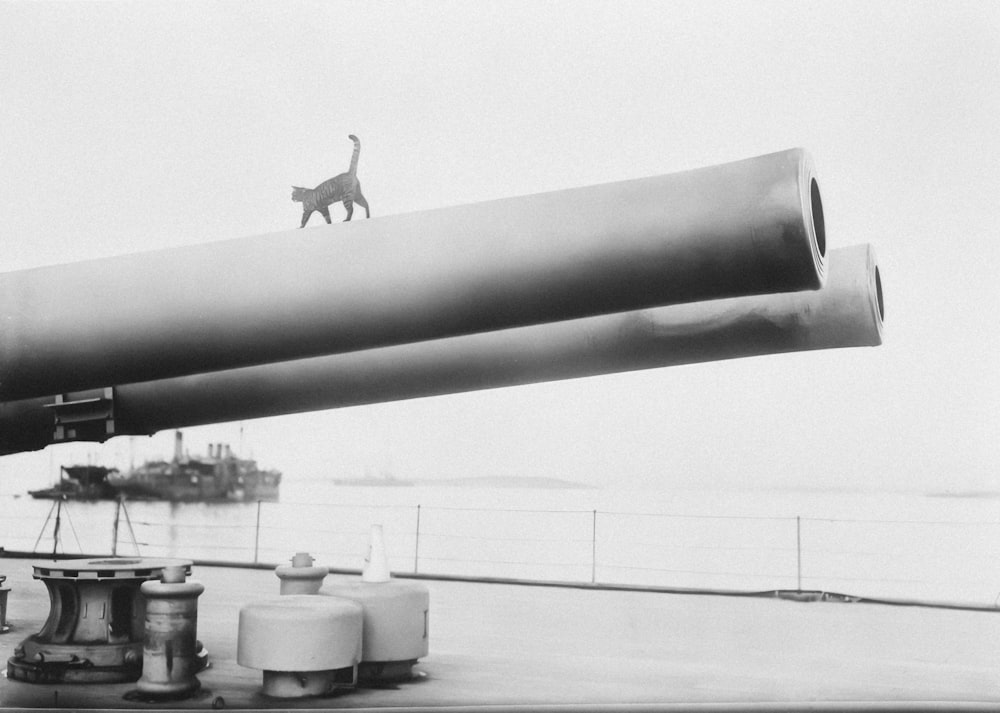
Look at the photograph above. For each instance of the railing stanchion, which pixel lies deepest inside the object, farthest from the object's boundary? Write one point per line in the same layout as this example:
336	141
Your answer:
55	533
416	544
256	538
593	550
798	549
114	528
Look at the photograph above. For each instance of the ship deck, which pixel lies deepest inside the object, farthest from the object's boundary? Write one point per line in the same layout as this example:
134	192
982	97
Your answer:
503	645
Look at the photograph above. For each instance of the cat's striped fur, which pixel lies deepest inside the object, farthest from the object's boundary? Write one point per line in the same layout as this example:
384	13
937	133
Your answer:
344	187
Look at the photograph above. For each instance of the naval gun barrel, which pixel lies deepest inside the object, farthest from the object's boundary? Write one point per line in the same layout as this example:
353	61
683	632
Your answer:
846	312
748	227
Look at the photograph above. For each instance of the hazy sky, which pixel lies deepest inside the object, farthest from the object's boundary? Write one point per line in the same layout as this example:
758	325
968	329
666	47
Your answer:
134	126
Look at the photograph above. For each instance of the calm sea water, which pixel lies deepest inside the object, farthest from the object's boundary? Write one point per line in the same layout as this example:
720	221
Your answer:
884	545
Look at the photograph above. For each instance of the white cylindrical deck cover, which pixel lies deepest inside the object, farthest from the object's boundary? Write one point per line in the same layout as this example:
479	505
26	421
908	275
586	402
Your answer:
299	632
396	617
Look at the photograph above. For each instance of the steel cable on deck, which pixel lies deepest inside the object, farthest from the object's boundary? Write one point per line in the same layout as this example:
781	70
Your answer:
505	510
204	547
735	548
679	516
874	521
504	539
284	528
197	525
350	506
530	564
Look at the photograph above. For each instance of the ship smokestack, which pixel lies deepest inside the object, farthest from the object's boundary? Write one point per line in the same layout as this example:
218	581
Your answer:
178	447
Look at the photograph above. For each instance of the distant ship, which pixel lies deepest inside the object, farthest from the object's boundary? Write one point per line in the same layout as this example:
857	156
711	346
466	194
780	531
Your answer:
386	479
218	477
80	482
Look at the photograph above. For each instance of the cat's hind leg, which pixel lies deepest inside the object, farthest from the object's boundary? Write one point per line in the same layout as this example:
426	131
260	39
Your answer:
349	204
326	214
360	200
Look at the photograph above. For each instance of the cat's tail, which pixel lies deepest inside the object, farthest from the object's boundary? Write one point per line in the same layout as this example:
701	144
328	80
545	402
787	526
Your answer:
354	157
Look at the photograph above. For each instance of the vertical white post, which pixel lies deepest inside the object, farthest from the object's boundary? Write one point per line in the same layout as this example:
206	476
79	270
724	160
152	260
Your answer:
798	549
416	546
256	538
377	562
593	550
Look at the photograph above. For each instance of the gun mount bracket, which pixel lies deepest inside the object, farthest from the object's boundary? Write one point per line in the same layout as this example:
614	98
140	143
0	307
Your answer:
84	415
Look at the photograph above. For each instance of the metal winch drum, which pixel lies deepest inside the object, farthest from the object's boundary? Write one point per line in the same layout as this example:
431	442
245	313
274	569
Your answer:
95	628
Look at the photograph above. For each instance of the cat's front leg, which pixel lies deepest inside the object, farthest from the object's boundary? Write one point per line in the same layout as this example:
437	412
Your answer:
305	217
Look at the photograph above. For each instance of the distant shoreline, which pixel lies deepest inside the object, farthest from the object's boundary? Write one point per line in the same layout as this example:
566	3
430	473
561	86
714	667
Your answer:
970	494
486	481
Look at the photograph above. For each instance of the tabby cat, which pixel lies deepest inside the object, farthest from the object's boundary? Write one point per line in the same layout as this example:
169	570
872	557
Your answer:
344	187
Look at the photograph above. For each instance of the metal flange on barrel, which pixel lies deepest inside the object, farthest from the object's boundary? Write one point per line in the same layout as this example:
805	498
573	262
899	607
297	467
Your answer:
95	627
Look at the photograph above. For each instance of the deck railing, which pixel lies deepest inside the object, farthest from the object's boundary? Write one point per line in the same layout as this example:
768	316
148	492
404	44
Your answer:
908	559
